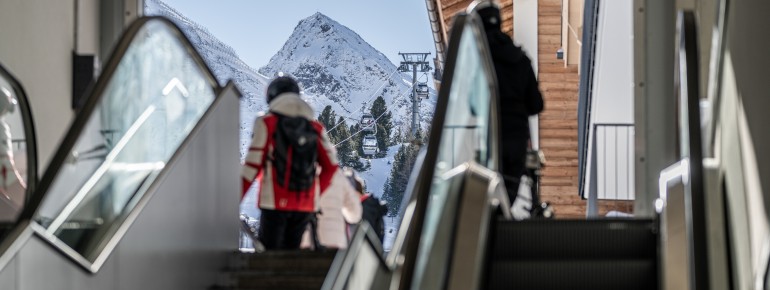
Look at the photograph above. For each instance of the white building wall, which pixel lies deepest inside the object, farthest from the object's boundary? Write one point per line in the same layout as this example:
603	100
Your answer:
612	101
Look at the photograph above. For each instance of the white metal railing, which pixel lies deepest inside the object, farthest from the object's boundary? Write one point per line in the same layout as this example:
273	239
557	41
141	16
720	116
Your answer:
611	174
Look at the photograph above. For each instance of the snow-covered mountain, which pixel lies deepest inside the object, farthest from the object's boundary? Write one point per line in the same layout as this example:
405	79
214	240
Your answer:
339	68
223	61
334	65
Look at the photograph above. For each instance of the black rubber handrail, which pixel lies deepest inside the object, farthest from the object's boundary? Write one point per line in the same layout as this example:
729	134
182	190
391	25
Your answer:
14	231
690	131
29	132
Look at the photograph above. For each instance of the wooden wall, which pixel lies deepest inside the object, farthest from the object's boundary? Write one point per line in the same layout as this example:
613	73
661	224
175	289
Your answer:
558	123
451	7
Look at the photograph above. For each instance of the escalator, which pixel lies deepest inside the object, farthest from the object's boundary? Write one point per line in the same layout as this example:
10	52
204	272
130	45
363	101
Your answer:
573	254
295	270
142	192
457	231
18	152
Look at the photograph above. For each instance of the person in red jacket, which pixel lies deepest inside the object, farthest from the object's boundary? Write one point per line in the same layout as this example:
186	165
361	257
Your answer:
287	204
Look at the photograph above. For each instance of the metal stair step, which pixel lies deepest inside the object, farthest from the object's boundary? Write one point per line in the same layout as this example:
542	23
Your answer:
573	275
574	239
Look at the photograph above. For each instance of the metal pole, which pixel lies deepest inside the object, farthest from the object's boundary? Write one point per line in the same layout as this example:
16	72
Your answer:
593	188
415	104
654	101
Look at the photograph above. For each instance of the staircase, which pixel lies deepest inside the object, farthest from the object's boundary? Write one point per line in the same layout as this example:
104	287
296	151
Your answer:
289	270
573	254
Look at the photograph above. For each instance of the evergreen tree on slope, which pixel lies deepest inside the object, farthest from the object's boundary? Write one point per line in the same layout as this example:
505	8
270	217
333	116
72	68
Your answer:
395	186
384	124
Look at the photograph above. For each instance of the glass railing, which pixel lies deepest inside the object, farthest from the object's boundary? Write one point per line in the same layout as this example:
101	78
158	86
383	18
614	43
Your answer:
463	136
468	136
360	266
152	94
18	154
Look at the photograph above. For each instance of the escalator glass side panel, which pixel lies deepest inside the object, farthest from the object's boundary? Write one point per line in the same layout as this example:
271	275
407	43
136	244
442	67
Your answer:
18	155
361	265
468	136
152	95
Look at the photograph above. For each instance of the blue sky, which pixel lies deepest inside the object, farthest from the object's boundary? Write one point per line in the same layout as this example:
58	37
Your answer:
257	29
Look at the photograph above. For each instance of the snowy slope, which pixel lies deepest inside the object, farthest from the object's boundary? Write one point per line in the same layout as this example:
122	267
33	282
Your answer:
334	65
223	61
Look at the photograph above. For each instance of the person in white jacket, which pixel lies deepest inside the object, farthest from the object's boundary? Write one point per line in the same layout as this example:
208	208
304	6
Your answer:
340	205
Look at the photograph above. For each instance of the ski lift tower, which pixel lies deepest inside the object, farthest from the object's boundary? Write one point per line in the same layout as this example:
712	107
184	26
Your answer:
414	62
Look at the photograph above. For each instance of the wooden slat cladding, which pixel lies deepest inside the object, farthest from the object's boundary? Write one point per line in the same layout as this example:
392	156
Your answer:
449	8
558	123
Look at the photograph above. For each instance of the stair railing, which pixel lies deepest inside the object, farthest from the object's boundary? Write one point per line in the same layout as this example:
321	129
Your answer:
608	173
689	170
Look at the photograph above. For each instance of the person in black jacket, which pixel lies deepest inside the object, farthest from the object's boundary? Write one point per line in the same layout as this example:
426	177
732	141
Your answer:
519	96
374	210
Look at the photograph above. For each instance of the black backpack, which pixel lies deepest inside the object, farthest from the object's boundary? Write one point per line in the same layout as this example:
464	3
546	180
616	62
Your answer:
295	152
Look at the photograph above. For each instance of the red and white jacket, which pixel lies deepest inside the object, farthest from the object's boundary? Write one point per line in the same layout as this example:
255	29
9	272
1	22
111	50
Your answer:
258	166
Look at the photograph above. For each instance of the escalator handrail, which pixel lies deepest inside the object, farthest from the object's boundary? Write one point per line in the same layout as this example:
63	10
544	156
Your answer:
19	231
95	92
406	256
29	131
344	261
695	200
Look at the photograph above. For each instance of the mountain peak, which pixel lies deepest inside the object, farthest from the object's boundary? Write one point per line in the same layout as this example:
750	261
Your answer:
336	66
328	58
321	25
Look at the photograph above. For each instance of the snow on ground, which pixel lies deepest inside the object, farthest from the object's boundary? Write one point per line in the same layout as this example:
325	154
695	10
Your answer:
376	176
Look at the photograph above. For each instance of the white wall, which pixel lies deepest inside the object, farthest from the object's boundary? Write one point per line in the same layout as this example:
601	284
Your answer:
37	43
613	89
613	99
525	35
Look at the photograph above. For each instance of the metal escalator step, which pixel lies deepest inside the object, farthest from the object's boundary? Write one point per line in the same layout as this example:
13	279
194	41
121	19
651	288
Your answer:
282	261
574	239
297	270
273	280
573	275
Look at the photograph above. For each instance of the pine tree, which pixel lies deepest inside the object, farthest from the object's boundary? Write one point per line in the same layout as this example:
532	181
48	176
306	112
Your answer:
345	150
398	138
395	186
384	126
327	118
354	143
382	142
359	138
